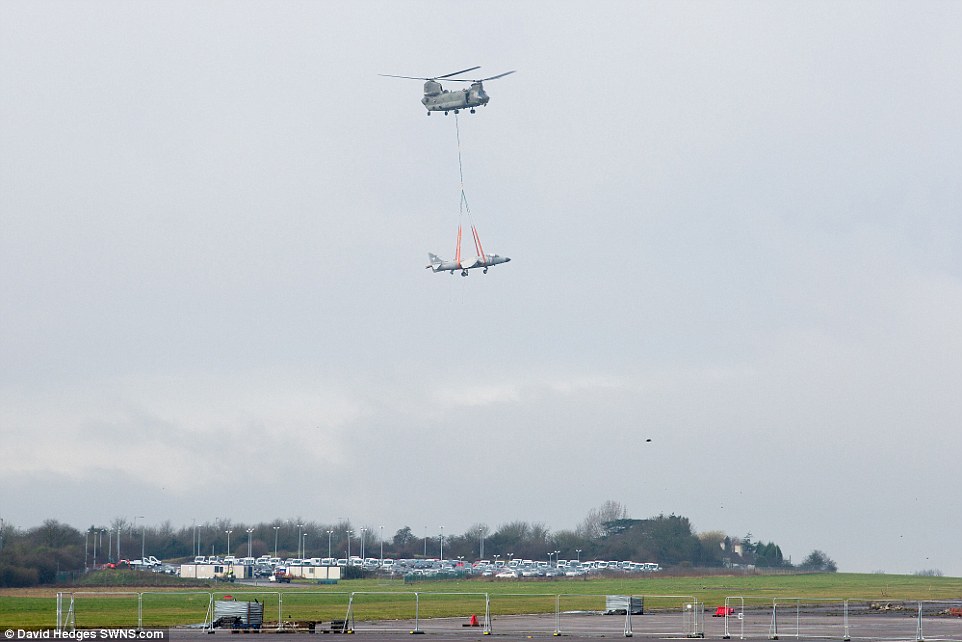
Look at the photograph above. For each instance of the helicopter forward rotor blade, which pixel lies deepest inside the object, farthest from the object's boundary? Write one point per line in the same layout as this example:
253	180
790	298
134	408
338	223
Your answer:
408	77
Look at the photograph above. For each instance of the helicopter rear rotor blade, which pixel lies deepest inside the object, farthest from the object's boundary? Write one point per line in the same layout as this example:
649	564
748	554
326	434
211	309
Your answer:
455	73
481	79
498	76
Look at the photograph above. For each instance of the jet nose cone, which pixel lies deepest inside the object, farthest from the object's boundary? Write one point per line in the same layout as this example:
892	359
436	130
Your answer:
506	259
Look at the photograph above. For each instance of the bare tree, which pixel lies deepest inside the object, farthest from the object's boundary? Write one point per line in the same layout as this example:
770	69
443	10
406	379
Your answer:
592	526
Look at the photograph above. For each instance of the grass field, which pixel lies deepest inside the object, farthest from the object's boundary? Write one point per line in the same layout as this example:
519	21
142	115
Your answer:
116	606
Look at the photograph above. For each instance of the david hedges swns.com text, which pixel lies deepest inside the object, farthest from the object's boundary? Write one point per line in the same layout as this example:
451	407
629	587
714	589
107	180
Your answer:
86	634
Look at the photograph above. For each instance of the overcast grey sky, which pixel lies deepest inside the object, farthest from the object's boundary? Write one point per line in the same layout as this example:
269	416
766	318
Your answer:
735	230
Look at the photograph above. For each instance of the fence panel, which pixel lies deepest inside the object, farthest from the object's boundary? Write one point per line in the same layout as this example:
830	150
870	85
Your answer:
304	609
95	609
589	614
383	610
168	609
809	618
541	609
669	615
751	618
940	620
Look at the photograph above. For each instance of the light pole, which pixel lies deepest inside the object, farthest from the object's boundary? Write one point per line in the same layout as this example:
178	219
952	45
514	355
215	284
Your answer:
276	528
556	558
134	527
299	540
349	547
480	543
329	533
363	537
441	539
143	541
229	531
110	543
381	537
249	548
578	551
496	556
304	547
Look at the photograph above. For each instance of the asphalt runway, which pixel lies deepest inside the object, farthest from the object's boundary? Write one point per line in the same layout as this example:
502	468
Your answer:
581	626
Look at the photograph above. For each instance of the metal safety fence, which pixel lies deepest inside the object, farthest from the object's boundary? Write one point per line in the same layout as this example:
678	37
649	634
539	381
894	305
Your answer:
840	619
523	614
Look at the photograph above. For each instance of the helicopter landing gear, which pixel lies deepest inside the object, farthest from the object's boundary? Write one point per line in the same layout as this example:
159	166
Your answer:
464	272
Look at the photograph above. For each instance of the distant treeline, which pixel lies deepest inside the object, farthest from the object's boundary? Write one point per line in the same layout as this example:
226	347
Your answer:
54	552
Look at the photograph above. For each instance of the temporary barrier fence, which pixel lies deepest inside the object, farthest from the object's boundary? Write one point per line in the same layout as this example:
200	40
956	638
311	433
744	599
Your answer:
549	614
428	610
303	608
904	619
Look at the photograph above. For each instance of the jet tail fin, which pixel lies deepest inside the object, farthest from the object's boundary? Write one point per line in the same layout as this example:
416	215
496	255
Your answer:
435	261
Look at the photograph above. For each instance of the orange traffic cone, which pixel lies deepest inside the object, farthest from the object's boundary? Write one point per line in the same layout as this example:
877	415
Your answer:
474	621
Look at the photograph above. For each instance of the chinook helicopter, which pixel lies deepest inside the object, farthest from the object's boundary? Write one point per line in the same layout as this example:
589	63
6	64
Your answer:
437	98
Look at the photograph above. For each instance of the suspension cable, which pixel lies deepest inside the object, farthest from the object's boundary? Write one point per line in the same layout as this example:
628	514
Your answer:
463	207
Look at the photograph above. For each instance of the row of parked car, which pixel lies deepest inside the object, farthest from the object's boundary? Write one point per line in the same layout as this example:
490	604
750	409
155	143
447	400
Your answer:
369	563
266	565
532	568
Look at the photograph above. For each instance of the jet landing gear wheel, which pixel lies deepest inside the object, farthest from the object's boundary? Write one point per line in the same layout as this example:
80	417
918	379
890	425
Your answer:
484	271
457	111
464	272
472	110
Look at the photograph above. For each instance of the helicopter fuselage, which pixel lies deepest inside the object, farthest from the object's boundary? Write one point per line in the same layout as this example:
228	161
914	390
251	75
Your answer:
438	99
